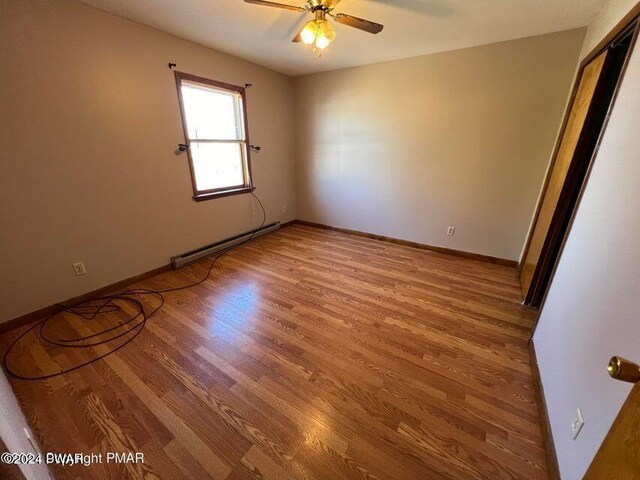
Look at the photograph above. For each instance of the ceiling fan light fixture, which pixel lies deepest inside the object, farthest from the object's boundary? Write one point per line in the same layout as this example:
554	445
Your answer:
319	32
325	34
322	42
309	32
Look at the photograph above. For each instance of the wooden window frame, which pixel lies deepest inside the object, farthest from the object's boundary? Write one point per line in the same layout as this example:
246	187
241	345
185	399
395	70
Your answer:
247	186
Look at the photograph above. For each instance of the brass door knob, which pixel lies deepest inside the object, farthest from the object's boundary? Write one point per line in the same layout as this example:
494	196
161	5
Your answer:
624	370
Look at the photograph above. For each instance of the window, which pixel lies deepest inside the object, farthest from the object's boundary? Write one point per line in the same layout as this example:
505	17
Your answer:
215	129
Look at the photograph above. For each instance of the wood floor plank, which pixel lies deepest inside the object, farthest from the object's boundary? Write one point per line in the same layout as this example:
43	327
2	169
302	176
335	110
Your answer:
308	354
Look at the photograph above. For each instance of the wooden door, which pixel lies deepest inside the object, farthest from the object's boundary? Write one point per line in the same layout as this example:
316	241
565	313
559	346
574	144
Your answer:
619	455
591	76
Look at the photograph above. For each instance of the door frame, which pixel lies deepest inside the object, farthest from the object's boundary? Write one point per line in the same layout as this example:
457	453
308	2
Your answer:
568	204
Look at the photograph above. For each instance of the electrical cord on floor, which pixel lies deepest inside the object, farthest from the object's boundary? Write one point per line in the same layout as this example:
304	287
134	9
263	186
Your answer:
90	310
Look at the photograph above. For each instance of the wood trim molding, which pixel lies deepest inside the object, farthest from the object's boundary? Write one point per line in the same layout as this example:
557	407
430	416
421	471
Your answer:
579	172
407	243
51	309
552	163
626	21
112	288
622	25
553	469
286	224
223	192
571	219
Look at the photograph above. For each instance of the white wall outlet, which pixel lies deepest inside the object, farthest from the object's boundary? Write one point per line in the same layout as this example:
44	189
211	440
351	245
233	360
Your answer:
79	268
577	424
284	209
451	231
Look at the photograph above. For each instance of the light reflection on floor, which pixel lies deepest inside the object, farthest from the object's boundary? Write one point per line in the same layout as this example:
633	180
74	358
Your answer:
236	303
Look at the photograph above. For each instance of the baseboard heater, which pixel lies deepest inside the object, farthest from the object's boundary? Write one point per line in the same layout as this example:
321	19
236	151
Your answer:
208	250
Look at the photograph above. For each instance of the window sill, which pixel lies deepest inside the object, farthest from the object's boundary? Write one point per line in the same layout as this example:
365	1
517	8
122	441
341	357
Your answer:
201	197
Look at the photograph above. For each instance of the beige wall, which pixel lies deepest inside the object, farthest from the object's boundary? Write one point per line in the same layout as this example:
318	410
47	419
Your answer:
409	147
591	311
89	123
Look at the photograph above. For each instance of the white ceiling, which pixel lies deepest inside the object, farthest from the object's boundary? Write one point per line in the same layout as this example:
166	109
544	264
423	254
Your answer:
412	27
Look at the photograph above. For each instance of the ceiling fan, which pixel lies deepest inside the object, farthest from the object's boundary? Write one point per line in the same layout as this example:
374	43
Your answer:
320	32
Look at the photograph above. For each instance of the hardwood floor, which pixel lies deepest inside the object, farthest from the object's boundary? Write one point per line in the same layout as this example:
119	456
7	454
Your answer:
309	354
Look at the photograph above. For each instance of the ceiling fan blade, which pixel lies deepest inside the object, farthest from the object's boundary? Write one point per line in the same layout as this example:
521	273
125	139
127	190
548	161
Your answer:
359	23
264	3
297	39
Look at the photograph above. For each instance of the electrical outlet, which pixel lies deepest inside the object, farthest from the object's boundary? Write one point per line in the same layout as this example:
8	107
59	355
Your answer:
284	209
577	424
451	231
79	268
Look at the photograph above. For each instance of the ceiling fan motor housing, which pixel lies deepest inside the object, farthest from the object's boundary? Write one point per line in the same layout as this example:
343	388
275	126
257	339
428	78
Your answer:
320	5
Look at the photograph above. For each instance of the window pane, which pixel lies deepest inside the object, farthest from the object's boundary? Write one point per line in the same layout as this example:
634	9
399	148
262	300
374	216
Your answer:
217	165
212	114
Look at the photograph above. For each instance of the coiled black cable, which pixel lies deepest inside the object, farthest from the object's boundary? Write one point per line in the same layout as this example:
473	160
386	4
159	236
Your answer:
90	310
